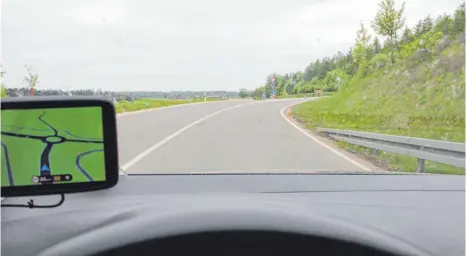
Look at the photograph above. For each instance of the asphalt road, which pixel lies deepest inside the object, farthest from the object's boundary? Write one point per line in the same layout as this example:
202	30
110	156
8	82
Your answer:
224	136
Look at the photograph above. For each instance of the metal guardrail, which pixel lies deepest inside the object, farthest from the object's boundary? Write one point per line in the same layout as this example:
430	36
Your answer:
445	152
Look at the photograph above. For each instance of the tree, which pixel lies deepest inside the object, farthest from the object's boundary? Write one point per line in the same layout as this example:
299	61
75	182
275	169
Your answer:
340	60
444	24
362	50
315	81
423	26
327	65
299	76
388	21
3	89
427	24
31	79
362	35
418	28
3	92
308	72
459	19
243	93
376	47
350	66
289	87
407	36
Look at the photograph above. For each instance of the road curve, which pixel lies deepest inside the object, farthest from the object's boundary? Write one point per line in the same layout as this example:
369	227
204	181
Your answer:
232	136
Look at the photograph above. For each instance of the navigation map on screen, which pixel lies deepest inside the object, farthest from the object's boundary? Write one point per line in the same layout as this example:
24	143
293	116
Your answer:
50	146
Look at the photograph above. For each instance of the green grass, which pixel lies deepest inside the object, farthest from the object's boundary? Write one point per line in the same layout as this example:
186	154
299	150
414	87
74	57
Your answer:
84	123
399	101
141	104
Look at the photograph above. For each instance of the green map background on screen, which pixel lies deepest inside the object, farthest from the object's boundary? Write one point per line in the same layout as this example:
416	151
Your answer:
81	154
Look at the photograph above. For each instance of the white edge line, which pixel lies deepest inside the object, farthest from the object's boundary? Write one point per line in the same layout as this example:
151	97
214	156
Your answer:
320	142
140	156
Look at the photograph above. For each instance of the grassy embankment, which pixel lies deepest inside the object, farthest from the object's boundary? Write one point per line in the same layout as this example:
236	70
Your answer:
141	104
418	98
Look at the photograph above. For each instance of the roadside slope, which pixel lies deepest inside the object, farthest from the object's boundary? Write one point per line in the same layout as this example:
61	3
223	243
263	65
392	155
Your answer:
419	97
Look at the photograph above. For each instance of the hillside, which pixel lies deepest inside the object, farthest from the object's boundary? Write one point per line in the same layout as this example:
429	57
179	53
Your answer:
414	87
424	100
401	99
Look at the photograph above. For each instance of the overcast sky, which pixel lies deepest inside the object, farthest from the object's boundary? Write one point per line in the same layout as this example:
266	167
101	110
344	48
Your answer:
179	45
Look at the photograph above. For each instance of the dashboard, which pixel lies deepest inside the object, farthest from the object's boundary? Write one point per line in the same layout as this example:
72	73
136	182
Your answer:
237	214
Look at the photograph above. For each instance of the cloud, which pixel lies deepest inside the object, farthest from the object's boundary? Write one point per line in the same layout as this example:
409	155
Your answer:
176	45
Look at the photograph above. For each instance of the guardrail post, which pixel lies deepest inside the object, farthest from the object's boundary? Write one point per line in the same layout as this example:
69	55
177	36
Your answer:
421	163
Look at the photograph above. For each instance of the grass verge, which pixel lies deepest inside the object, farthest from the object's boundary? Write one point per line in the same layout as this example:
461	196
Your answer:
141	104
396	102
320	113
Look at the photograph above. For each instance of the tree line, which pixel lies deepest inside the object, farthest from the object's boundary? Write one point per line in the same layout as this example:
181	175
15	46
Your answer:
394	42
32	79
118	96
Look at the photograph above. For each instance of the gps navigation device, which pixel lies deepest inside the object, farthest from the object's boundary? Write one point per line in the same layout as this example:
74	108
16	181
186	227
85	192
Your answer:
53	145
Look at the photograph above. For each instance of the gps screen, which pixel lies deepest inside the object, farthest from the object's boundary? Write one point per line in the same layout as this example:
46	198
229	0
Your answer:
50	146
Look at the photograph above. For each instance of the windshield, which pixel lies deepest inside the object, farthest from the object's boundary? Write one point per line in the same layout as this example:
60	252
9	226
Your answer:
249	86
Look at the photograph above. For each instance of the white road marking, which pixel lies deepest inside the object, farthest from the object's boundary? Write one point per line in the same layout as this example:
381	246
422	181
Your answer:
363	167
136	159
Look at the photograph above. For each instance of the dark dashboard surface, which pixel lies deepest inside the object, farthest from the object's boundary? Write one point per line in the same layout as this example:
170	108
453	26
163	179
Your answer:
426	211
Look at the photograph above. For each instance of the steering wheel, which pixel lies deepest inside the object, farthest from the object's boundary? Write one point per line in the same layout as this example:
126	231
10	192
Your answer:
251	230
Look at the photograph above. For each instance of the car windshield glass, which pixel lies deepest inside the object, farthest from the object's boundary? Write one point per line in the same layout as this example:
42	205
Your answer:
246	86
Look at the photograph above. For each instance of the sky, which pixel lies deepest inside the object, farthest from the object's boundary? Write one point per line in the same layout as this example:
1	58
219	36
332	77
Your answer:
166	45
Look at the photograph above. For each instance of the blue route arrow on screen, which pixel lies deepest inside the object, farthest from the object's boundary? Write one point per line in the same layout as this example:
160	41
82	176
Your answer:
45	167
